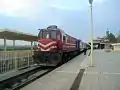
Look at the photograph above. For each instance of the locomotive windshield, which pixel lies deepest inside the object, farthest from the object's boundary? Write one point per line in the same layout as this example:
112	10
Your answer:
53	34
44	34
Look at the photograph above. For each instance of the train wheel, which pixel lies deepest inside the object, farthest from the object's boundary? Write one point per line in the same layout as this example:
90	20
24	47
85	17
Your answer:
64	58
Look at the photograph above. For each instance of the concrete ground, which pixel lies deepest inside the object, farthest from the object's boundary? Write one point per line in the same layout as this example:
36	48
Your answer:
106	73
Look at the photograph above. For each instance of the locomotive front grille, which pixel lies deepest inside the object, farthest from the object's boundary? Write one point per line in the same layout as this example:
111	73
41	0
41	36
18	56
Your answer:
46	58
45	54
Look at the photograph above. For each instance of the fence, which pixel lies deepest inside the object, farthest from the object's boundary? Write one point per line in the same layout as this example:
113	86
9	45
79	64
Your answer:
14	60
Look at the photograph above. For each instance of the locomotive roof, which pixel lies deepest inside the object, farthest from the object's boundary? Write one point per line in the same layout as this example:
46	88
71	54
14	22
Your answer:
54	27
66	34
16	35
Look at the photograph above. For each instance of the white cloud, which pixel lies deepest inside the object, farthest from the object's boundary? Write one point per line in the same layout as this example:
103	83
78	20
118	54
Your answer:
69	4
36	8
20	8
99	1
73	4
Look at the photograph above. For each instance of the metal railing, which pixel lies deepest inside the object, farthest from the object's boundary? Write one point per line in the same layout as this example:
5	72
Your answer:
15	60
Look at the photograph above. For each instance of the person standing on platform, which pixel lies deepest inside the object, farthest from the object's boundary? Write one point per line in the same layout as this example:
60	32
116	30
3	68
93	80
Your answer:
85	50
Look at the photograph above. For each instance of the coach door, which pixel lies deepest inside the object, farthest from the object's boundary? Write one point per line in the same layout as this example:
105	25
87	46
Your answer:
77	44
64	39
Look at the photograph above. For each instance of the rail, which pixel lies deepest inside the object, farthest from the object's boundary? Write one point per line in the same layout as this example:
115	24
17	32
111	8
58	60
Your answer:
25	77
14	60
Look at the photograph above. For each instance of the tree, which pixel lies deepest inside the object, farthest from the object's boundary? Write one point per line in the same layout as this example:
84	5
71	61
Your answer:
107	33
111	37
118	37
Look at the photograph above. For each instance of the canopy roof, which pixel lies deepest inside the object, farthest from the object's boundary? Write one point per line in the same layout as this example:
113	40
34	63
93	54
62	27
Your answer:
116	44
16	35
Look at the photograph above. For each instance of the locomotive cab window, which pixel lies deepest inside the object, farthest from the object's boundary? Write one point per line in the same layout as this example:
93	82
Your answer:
43	34
39	35
63	39
53	35
58	36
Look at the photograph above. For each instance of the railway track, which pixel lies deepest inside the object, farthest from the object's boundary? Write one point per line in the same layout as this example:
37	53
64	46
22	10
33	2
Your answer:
19	81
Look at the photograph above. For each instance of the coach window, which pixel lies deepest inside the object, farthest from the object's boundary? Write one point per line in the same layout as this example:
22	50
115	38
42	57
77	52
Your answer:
58	36
66	39
63	39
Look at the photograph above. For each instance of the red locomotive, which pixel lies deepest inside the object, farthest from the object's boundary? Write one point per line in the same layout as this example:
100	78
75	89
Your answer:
54	46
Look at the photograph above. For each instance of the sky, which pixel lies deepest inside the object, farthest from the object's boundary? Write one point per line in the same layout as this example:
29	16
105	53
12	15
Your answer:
72	16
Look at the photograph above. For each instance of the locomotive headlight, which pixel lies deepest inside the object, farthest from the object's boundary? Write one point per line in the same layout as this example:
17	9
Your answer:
38	49
53	48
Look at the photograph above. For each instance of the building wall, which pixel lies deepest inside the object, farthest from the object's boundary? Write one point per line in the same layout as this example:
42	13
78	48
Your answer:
107	46
116	48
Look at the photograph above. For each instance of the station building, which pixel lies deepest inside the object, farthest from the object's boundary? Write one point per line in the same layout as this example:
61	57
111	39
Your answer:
116	46
101	43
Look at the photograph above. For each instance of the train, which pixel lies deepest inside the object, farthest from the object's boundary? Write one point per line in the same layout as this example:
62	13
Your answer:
55	46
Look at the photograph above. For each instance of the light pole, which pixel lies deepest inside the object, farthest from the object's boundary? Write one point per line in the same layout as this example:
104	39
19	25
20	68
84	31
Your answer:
91	25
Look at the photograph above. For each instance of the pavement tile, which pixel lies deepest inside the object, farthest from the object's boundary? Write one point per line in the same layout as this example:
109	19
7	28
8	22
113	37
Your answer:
106	73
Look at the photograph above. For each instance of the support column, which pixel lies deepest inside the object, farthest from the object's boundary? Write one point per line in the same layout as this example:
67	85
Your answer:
34	43
105	47
14	44
5	44
31	45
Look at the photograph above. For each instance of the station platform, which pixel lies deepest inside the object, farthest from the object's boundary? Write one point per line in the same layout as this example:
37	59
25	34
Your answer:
105	75
61	78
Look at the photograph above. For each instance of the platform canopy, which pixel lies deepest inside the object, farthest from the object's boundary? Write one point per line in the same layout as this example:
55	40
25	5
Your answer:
16	35
116	44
